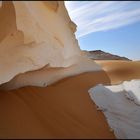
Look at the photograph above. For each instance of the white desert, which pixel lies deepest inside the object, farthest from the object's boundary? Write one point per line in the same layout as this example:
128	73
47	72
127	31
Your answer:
48	88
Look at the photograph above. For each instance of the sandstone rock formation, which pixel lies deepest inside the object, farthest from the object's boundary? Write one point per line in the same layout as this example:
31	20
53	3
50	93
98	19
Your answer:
34	35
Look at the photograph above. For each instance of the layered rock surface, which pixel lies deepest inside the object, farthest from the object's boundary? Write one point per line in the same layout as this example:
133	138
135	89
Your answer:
38	34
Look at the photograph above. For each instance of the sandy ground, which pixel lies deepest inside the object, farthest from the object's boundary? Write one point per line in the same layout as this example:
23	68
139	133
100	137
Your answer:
119	71
64	109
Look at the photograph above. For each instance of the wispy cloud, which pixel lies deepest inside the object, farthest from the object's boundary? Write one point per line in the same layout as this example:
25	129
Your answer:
95	16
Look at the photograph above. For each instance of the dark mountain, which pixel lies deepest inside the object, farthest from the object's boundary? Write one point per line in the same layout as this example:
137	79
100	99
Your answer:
101	55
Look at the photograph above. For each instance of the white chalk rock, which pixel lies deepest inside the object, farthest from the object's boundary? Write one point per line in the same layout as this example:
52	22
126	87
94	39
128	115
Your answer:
121	106
47	75
132	89
34	34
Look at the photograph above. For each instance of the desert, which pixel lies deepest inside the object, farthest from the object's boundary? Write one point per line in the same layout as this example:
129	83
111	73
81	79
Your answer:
63	109
51	89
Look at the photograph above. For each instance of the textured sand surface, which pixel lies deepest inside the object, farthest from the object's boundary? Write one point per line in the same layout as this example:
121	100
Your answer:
64	109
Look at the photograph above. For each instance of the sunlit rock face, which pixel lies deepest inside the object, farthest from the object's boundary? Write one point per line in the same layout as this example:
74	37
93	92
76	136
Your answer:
34	34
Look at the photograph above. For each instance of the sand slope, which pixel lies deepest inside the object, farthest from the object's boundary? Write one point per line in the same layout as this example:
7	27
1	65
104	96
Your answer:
119	71
64	109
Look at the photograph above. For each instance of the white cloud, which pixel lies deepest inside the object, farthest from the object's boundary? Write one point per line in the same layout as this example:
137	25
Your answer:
95	16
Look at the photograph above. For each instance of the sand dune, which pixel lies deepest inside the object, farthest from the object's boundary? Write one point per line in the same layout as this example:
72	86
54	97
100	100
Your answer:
64	109
119	71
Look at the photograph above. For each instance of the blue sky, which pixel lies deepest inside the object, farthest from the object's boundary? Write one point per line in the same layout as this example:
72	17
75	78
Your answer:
111	26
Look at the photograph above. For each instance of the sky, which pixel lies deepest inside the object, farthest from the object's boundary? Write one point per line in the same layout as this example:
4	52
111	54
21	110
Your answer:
111	26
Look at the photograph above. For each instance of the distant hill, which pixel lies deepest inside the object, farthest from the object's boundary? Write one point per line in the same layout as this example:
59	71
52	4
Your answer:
101	55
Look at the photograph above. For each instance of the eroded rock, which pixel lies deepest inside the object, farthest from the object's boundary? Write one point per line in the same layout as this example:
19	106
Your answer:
34	34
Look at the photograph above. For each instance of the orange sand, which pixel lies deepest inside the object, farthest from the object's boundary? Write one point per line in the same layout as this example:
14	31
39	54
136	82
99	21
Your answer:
119	71
64	109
